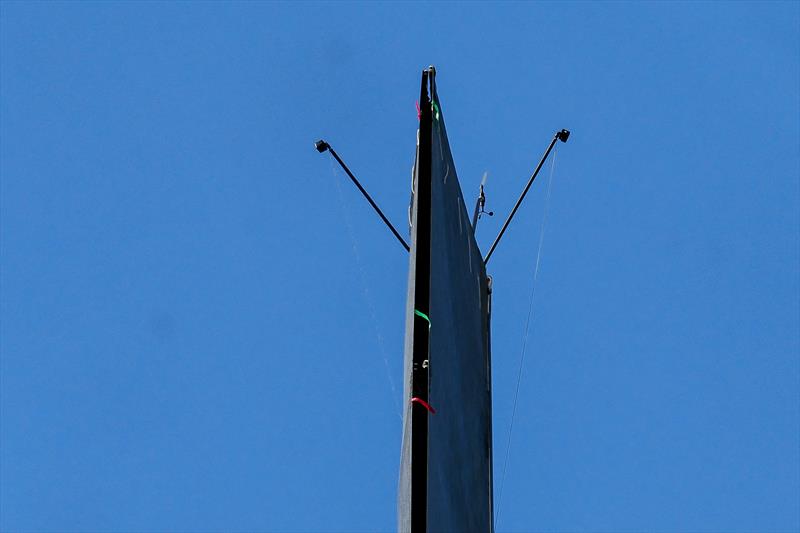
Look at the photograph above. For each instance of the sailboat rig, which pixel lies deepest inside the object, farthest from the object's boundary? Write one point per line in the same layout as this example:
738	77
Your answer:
445	482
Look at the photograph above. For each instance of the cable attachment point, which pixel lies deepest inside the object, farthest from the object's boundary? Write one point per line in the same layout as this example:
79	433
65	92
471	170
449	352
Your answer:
563	135
321	146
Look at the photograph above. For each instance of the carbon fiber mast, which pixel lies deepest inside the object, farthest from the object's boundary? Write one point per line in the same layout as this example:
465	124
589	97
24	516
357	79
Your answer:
446	462
420	320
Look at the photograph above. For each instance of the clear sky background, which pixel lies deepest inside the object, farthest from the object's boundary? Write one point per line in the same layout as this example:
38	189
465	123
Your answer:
202	321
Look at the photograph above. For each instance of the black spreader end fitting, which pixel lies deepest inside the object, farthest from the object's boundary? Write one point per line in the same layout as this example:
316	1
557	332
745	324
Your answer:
321	146
563	135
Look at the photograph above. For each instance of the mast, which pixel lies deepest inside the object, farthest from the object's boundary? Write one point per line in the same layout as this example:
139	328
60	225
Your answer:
421	328
446	460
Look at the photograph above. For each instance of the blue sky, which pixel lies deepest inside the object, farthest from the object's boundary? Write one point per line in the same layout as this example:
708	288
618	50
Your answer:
201	322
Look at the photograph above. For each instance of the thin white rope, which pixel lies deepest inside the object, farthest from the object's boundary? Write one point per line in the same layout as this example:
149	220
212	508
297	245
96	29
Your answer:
364	287
525	335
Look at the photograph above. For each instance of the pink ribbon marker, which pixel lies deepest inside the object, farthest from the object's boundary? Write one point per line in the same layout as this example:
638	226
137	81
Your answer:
424	404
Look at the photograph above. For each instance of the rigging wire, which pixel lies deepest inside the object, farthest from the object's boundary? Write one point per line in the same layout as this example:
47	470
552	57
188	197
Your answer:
525	335
364	287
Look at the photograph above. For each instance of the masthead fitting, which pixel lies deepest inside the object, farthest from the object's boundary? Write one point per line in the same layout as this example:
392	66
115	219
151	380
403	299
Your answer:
563	135
321	146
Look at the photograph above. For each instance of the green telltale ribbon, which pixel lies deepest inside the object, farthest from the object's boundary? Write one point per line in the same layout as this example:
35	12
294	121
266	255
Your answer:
435	107
423	315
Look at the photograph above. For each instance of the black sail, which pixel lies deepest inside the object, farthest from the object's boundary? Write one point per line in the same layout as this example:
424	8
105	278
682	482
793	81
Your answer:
446	462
